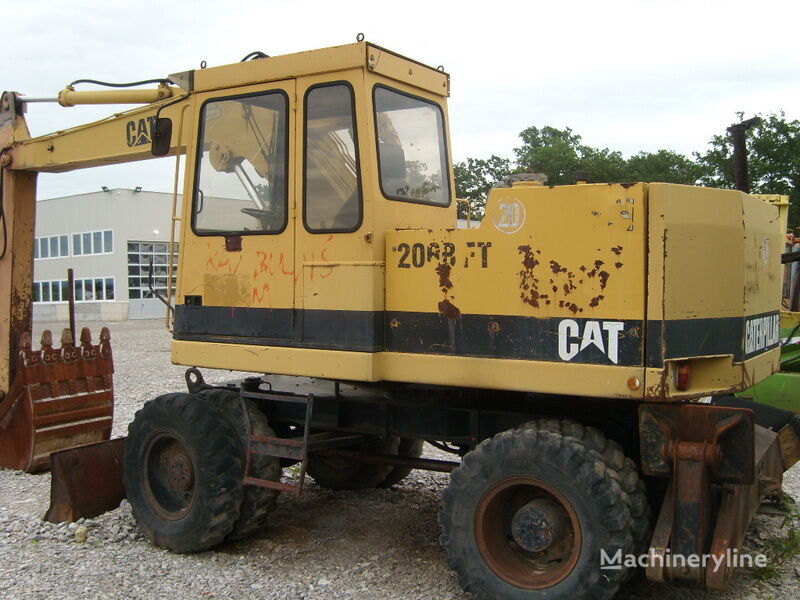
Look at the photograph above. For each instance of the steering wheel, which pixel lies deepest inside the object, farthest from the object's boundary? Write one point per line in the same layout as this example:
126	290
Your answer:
268	219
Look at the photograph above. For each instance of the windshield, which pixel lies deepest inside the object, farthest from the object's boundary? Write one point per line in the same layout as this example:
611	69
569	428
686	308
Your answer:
241	179
411	148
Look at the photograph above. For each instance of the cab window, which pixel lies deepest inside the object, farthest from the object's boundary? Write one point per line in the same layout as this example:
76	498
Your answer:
240	184
411	148
332	196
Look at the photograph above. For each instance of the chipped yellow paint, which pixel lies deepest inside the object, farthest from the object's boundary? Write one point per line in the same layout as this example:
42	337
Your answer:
571	251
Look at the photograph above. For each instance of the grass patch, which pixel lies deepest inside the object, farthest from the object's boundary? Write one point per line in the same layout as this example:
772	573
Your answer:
778	550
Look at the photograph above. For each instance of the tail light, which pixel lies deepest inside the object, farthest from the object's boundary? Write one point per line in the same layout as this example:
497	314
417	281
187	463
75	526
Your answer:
682	376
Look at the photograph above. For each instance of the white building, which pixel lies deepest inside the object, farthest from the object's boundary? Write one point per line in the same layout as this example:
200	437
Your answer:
109	239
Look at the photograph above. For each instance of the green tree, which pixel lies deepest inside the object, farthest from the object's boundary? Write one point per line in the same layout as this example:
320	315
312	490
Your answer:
773	156
474	178
559	153
665	166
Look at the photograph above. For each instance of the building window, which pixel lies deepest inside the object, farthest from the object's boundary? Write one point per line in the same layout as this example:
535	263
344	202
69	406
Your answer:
140	255
86	290
54	246
57	246
93	242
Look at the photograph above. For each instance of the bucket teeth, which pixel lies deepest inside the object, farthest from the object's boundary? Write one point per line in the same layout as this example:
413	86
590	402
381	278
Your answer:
88	350
68	396
68	350
49	354
105	342
47	339
25	341
27	355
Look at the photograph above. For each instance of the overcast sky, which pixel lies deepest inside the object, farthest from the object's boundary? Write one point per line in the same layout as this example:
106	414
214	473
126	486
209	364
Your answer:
626	75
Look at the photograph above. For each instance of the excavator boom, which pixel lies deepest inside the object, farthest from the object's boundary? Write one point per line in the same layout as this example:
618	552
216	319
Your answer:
52	399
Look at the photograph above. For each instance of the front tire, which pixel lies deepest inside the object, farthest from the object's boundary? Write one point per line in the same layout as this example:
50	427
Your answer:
258	501
528	512
183	472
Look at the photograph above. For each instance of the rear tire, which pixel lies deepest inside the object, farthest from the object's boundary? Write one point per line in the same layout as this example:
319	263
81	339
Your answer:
340	474
183	472
408	448
528	512
258	501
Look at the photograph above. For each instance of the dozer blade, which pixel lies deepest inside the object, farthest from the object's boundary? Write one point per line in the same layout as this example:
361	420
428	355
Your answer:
59	399
86	481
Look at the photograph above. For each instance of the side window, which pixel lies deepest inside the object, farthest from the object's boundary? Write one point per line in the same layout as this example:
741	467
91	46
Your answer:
240	184
332	198
411	148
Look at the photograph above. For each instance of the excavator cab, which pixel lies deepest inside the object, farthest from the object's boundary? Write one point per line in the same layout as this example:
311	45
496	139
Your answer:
294	181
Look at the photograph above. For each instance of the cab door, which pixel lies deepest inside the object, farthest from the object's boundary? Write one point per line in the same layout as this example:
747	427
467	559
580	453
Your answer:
340	285
237	268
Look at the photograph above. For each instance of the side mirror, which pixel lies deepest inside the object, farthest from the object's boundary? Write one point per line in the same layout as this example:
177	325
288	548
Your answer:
161	136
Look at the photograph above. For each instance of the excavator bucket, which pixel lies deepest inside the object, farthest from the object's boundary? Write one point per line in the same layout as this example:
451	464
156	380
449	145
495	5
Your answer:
60	398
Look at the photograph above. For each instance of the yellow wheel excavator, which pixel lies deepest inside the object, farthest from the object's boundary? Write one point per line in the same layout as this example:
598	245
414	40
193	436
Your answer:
576	352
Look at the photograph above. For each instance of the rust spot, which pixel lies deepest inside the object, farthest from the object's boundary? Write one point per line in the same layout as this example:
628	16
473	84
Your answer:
574	308
494	327
394	324
566	289
443	271
529	294
617	250
529	260
448	309
598	264
618	265
583	268
532	298
592	273
555	289
603	279
557	268
596	300
627	185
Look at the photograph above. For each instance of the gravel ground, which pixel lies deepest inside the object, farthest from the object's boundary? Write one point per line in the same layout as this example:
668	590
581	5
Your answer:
356	545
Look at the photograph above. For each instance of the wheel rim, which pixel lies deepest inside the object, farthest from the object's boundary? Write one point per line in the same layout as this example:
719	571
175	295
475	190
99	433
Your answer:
169	479
527	532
